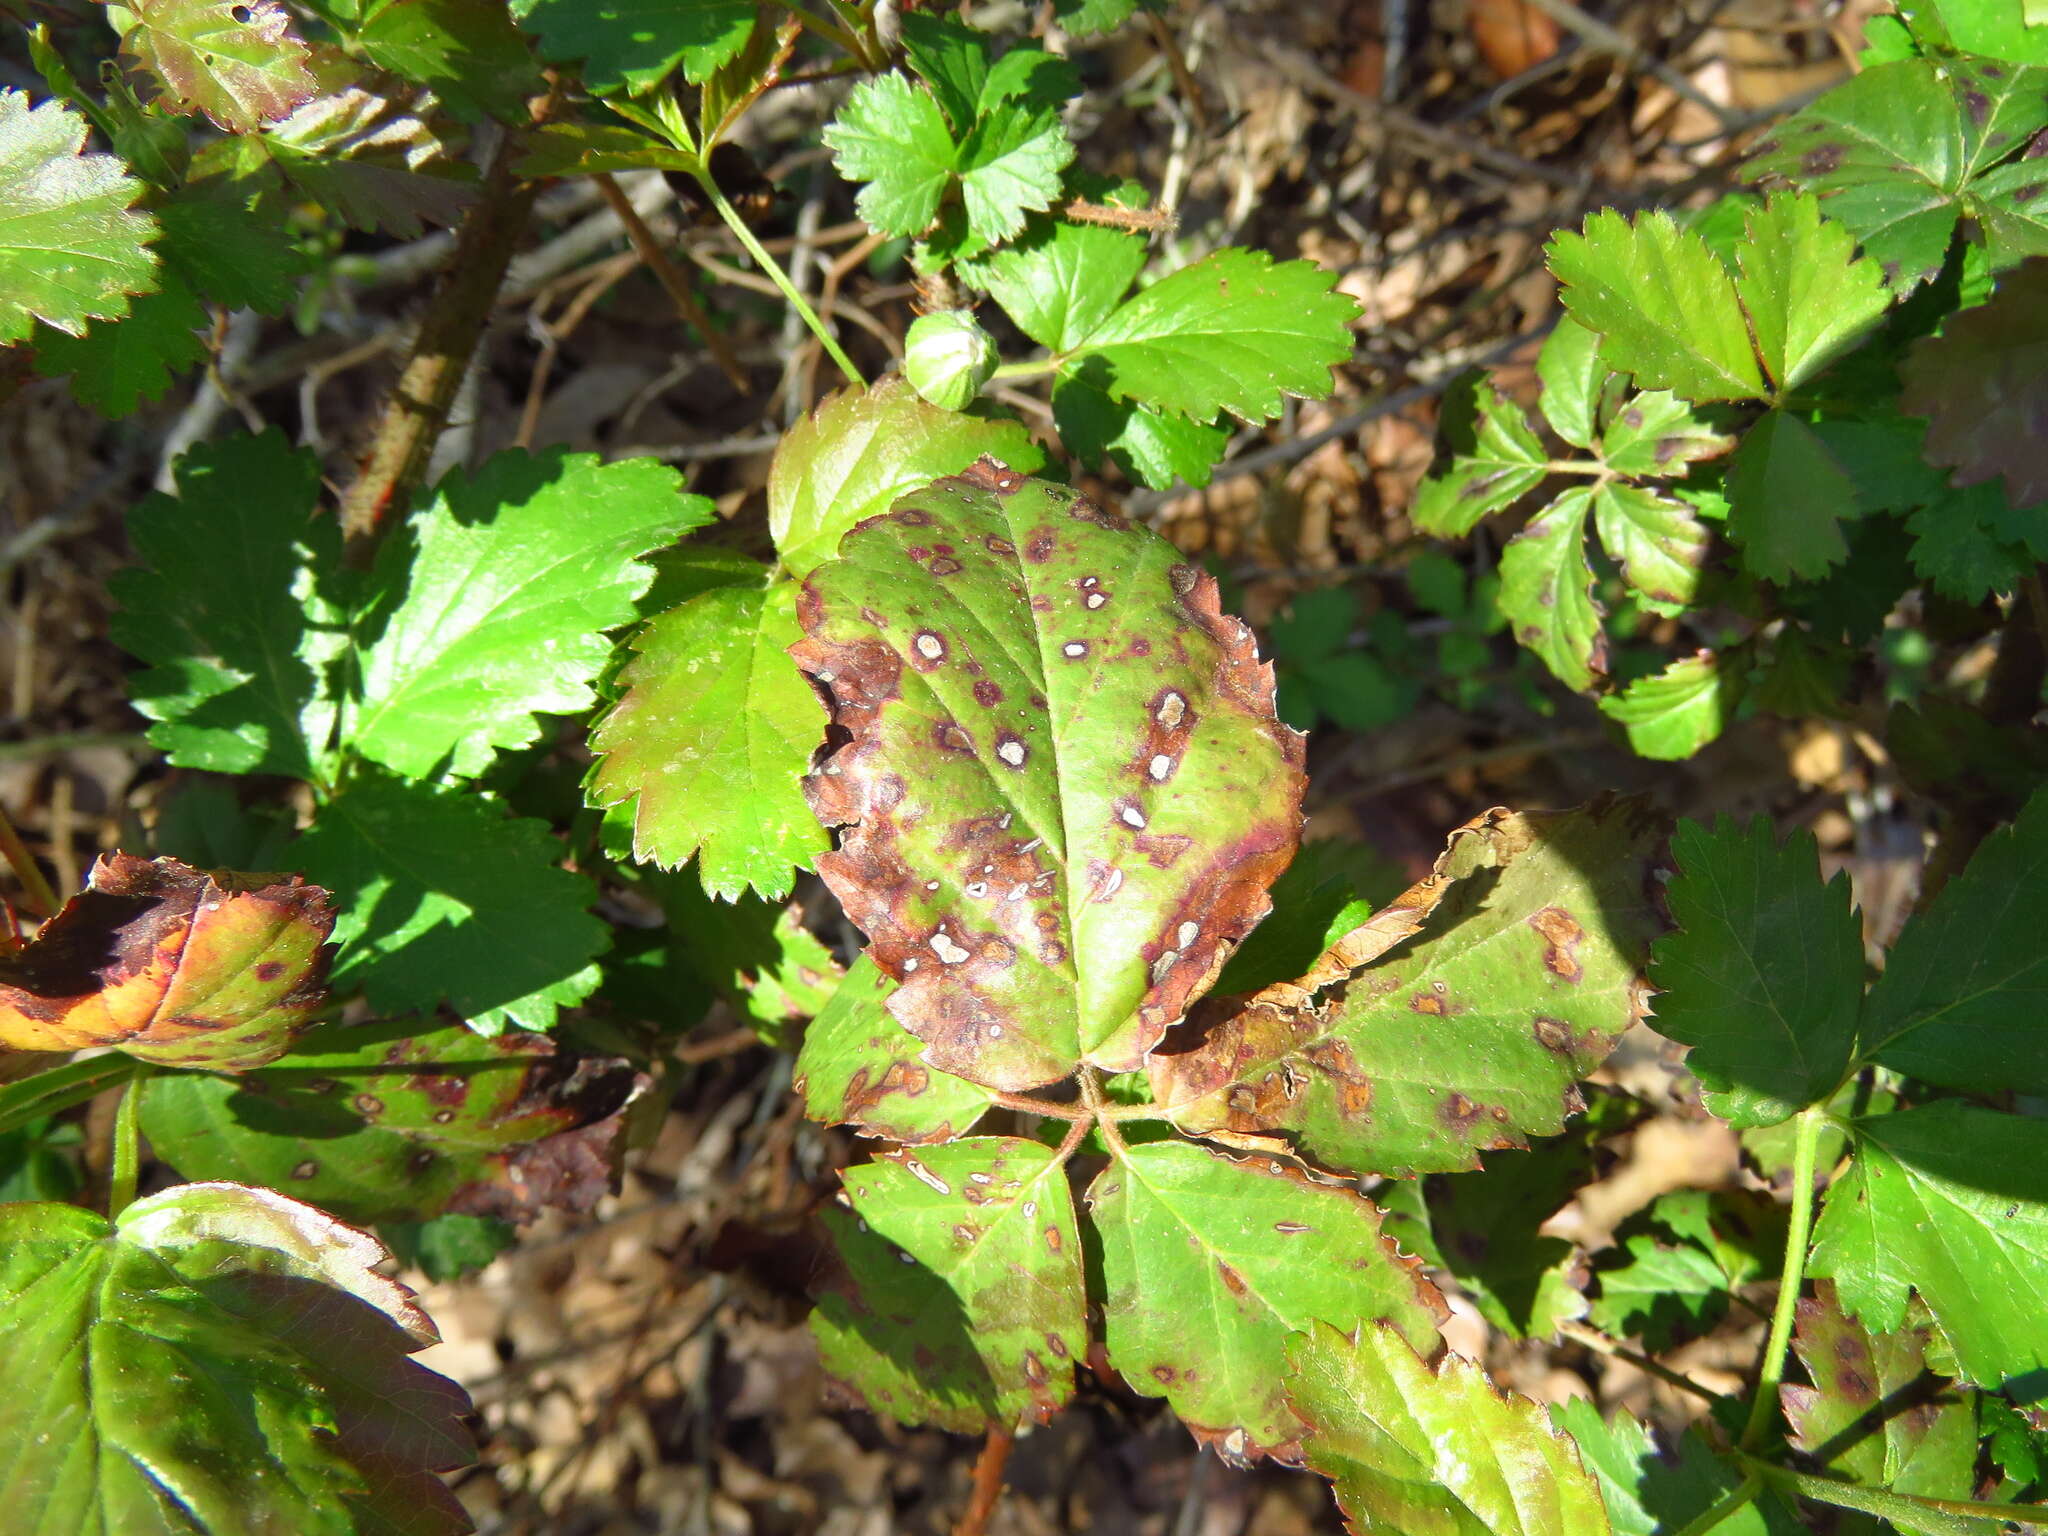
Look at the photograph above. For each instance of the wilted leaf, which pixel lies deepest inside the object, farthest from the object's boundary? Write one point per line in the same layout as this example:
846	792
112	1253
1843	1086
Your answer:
217	1359
404	1120
177	966
1416	1448
1065	791
1982	384
1211	1263
961	1300
242	64
1470	1036
858	1066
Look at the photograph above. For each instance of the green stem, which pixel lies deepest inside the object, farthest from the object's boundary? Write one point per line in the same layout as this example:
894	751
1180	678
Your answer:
1736	1498
46	1093
836	35
1763	1407
1949	1517
776	275
127	1143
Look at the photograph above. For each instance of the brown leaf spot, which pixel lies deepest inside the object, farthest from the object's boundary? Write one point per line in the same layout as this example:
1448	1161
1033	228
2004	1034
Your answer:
1459	1112
1056	1344
269	970
1052	1238
1553	1034
305	1170
1429	1003
1821	159
1562	936
1165	1374
1233	1282
987	694
995	544
1034	1369
1040	546
945	565
368	1104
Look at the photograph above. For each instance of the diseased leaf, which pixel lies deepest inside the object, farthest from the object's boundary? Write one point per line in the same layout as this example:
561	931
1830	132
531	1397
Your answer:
1468	1037
489	606
443	898
1671	714
1651	1492
1211	1263
72	241
1546	591
1788	496
174	965
1983	385
219	1359
1960	1000
404	1120
858	1066
861	449
1952	1201
962	1303
242	64
1657	434
635	43
711	738
1655	539
1413	1447
1064	792
1494	464
1763	976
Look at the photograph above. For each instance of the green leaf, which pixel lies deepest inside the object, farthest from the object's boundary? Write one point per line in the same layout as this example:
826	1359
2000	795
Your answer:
757	955
1315	903
1574	376
892	135
1469	1035
449	1247
1657	434
1090	18
861	449
467	52
71	239
489	606
243	65
1678	1263
858	1066
227	238
635	43
1894	152
952	58
711	738
1956	548
403	1120
1788	495
1546	591
372	163
217	1359
1952	1201
445	899
1415	1447
1808	296
1670	715
1980	384
962	1302
1871	1415
1210	1264
1764	976
1655	539
118	364
1664	307
1495	463
1065	790
1063	280
1955	1004
589	149
228	610
1160	449
1009	165
1651	1492
1233	332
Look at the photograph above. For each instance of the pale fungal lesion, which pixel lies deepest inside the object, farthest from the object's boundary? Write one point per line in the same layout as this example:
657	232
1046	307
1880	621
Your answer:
930	646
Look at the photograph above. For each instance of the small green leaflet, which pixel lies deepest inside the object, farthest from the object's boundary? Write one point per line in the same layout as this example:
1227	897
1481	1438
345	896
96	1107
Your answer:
1669	1277
467	52
1952	1201
756	954
1574	377
218	1359
243	65
858	1066
72	243
443	898
1416	1448
635	43
230	612
1546	591
1210	1264
1671	714
118	364
1788	496
227	238
488	607
961	1302
1496	460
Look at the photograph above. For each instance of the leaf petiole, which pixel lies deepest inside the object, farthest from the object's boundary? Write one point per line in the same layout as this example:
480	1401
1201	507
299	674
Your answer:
1771	1371
1946	1517
59	1088
121	1180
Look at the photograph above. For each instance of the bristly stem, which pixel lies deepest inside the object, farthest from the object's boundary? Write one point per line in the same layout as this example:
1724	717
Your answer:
776	275
988	1481
1763	1407
127	1165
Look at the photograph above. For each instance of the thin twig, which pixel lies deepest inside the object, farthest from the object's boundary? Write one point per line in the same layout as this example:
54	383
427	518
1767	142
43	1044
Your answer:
36	894
1595	33
1600	1343
988	1481
672	280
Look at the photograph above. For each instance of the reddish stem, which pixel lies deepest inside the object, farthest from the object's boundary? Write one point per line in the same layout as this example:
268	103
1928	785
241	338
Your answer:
988	1482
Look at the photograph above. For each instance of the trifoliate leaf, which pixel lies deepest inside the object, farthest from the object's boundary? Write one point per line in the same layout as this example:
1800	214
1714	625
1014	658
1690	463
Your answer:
1657	434
1955	1004
175	966
1414	1447
1063	785
1496	459
243	65
1655	539
860	450
1788	495
635	43
231	610
71	240
402	1121
858	1066
1808	295
1982	384
444	898
217	1359
1951	1201
467	52
1649	1491
1546	591
1663	305
118	364
1671	714
1211	1264
1574	376
711	738
961	1303
1009	165
490	606
892	135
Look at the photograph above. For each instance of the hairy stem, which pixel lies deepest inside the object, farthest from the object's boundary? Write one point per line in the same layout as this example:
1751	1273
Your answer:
988	1481
59	1088
1763	1408
127	1144
36	894
1962	1517
672	280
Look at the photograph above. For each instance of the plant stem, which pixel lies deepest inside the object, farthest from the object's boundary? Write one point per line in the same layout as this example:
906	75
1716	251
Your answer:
1597	1341
776	275
1950	1517
36	894
672	280
988	1481
1736	1498
1035	368
127	1143
1024	1103
59	1088
1763	1407
1100	1108
833	33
